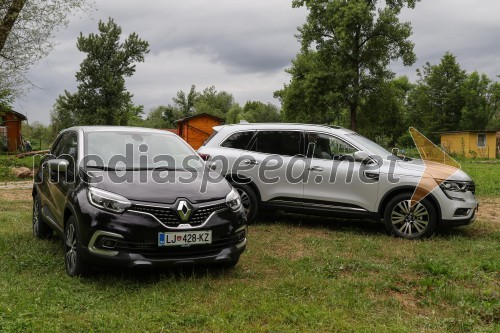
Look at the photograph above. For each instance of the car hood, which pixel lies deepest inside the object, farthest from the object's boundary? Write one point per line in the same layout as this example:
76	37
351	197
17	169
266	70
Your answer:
435	170
147	186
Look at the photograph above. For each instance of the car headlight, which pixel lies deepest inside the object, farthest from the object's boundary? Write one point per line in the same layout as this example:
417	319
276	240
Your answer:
233	200
108	201
454	186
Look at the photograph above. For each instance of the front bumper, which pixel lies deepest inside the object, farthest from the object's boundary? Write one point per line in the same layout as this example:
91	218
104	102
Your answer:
131	239
458	209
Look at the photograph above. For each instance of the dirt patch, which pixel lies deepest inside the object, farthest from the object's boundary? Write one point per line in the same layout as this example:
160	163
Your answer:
9	194
489	210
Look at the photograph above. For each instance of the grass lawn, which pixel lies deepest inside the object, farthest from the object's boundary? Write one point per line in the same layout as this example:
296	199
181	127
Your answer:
298	274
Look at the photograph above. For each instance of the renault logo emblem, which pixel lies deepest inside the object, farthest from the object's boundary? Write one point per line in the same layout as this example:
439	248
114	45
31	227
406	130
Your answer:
184	210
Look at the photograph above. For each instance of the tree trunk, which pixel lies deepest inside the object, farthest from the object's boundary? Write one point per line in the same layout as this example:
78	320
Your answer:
9	19
353	108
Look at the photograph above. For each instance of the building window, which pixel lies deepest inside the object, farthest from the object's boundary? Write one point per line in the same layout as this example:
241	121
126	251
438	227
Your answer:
481	140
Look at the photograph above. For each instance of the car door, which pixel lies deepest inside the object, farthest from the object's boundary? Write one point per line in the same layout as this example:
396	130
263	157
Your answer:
274	161
61	184
335	180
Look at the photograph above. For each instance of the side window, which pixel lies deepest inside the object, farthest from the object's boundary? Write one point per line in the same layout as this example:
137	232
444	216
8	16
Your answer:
327	147
238	140
69	149
58	145
278	142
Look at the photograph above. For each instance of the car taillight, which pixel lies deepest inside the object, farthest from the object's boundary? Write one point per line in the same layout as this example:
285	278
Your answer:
204	157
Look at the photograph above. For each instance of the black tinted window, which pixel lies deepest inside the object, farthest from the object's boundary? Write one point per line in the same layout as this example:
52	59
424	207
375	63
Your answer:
238	140
277	142
69	149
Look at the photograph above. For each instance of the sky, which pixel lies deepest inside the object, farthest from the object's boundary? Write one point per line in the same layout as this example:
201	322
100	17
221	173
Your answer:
243	47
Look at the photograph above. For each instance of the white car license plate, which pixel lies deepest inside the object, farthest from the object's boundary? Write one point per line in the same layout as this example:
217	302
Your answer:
184	238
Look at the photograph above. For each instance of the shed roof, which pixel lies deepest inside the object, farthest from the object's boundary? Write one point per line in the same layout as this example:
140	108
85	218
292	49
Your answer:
470	131
17	114
200	115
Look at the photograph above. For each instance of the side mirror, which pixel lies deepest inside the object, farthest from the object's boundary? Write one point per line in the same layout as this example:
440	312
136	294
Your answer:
58	165
361	156
395	151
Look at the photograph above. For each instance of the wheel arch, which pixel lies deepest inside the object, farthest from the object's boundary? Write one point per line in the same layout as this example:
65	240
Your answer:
234	178
407	189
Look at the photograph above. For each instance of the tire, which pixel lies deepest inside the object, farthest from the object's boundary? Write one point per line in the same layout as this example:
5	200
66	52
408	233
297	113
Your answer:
40	228
249	201
407	222
73	261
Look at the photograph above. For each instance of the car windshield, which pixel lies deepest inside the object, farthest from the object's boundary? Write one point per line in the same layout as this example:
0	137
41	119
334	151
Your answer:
120	150
373	148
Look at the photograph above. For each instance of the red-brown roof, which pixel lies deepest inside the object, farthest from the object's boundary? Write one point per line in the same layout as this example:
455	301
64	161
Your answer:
200	115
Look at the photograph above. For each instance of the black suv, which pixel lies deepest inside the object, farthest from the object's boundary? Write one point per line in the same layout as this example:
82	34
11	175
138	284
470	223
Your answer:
134	197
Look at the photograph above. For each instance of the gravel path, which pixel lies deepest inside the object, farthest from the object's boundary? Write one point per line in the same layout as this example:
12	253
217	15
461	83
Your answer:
16	185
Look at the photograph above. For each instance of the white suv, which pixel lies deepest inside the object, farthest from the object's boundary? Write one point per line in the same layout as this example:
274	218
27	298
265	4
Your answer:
315	169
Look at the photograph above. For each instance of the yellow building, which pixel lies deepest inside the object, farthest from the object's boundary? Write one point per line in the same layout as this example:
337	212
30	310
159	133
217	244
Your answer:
471	144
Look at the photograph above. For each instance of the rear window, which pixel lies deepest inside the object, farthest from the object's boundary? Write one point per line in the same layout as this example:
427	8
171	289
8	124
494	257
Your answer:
277	142
238	140
214	133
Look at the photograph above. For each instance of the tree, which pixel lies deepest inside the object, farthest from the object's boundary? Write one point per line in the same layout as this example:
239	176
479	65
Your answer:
102	98
214	102
438	100
185	103
388	117
308	97
355	42
481	101
157	119
209	101
258	112
26	31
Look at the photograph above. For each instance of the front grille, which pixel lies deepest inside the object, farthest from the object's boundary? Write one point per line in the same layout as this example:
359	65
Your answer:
169	217
202	214
165	215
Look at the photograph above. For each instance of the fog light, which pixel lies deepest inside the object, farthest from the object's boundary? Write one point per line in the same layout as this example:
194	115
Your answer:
242	235
108	243
461	212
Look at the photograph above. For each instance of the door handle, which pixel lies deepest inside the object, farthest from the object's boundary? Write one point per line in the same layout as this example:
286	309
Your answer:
316	168
251	162
372	175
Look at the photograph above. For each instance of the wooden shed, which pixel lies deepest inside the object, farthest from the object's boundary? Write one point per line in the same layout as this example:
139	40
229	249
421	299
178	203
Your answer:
10	130
470	144
196	129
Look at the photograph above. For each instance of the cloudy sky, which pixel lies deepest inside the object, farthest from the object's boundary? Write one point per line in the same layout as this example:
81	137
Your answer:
243	47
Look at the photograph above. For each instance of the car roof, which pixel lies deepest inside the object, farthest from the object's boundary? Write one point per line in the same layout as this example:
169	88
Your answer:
274	126
88	129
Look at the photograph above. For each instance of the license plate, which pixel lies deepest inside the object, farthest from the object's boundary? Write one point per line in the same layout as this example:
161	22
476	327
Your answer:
184	238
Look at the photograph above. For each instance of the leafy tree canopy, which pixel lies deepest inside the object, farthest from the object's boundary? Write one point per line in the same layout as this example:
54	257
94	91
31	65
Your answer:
346	50
27	28
102	98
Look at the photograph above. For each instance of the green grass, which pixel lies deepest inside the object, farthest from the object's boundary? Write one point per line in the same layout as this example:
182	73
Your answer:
486	174
7	162
305	274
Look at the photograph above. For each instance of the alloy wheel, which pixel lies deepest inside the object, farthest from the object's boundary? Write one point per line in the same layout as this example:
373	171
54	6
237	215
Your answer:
36	217
410	221
71	248
245	200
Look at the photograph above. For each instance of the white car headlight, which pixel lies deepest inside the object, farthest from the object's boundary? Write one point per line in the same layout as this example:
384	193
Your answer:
107	200
454	186
233	200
